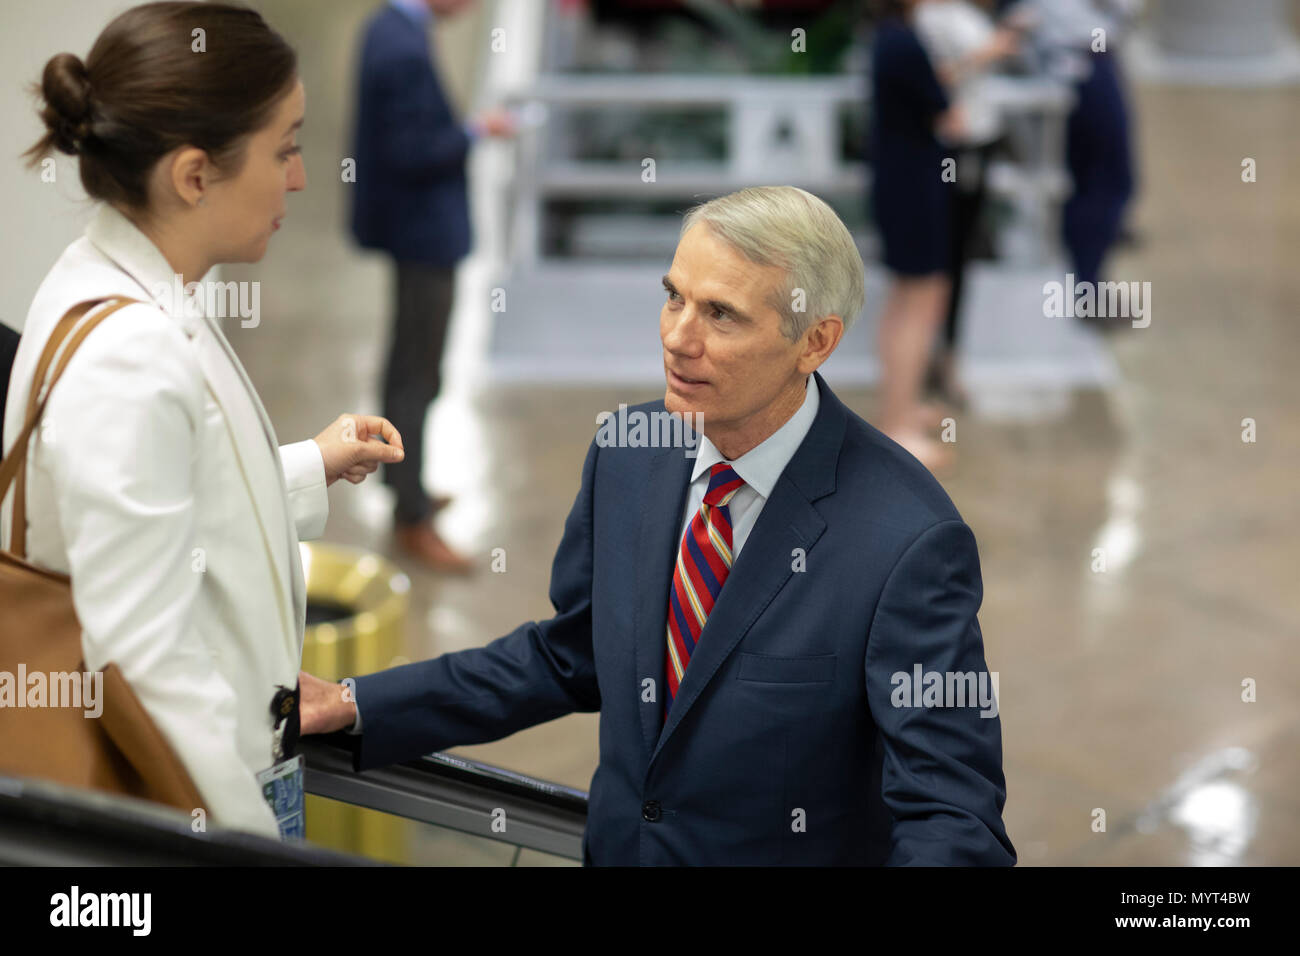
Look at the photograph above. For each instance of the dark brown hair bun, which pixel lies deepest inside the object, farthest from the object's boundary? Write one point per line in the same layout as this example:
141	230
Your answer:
68	112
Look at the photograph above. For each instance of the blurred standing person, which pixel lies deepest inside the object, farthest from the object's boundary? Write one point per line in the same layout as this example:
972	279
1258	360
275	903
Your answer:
912	207
964	45
410	200
1075	41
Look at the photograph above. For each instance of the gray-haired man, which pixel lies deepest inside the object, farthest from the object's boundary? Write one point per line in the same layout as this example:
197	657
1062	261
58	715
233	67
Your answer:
744	620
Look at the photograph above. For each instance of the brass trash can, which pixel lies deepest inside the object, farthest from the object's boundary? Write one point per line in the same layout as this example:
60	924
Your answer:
356	624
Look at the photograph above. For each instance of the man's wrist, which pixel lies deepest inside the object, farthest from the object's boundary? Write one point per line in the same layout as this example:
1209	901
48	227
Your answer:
353	712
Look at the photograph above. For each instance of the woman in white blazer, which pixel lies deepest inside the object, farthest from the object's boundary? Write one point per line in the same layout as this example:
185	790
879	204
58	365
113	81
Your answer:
157	482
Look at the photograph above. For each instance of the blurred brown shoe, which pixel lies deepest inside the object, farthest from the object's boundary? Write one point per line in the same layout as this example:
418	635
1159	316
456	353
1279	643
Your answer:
421	542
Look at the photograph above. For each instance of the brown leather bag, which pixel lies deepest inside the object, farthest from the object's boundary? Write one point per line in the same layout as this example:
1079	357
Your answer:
122	751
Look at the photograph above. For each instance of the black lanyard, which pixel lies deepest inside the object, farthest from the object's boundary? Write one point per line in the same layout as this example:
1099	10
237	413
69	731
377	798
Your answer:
284	710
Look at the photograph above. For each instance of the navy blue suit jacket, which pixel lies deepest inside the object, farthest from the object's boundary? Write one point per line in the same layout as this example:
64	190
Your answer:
783	745
409	197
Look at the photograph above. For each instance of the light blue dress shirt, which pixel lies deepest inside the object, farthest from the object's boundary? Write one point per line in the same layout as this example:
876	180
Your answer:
760	467
417	10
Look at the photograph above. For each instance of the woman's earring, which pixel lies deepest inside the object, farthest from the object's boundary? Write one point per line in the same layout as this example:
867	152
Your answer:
201	200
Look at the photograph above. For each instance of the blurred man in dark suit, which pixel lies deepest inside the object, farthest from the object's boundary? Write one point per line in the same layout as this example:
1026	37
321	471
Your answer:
410	201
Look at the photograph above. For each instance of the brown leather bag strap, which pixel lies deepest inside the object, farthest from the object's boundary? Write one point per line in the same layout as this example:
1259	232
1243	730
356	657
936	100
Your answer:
12	469
18	533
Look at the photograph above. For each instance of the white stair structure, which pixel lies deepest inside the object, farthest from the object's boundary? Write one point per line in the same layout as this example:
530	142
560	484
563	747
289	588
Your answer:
1216	43
585	309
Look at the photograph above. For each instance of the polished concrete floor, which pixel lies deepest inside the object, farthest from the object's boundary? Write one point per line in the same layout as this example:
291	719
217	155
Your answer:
1120	690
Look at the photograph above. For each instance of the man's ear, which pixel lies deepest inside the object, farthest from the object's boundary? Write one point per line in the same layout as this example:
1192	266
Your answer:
822	339
190	174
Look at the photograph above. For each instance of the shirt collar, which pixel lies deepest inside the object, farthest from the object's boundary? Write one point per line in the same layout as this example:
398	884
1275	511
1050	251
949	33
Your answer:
762	465
417	10
118	238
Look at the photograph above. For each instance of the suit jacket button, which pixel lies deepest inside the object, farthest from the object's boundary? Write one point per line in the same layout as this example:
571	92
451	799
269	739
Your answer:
650	811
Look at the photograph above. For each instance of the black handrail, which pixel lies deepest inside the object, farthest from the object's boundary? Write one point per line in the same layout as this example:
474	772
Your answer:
455	792
46	824
505	781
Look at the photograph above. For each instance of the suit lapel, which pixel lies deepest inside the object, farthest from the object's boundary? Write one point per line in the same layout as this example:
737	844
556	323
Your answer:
788	521
253	436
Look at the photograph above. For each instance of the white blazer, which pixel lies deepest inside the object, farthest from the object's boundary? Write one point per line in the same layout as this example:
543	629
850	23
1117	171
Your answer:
157	483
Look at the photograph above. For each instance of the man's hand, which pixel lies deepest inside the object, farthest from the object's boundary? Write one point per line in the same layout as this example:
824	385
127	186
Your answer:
496	122
1004	45
350	451
324	706
950	125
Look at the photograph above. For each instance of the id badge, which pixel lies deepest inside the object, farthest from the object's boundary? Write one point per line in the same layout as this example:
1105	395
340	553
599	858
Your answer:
282	788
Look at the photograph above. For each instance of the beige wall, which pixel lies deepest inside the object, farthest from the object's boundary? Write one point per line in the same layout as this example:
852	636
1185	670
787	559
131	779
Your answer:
39	219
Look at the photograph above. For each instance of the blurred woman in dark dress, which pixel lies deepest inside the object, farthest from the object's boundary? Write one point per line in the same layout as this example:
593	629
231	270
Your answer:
912	207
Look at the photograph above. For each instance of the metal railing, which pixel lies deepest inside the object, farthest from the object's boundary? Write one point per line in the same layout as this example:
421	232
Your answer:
47	824
456	793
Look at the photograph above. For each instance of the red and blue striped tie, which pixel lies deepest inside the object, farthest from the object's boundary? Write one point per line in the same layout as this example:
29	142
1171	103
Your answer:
703	563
